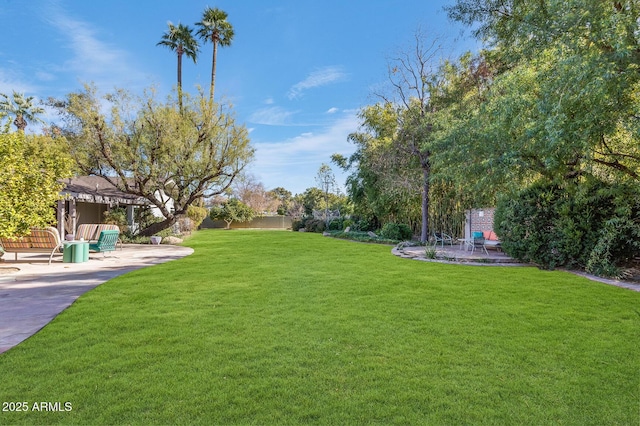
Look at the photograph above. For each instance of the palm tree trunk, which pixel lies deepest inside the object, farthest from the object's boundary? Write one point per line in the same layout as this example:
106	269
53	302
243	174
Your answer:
180	78
20	122
213	70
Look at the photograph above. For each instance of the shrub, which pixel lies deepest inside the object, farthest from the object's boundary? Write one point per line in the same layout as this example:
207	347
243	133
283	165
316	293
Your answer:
197	215
314	225
336	224
296	225
526	225
117	216
396	231
619	241
592	225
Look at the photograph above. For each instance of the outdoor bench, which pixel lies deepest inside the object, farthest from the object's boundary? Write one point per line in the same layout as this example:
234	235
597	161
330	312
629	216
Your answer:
491	240
40	240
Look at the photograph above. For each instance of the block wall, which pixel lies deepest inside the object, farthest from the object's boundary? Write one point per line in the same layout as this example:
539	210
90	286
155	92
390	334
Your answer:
479	220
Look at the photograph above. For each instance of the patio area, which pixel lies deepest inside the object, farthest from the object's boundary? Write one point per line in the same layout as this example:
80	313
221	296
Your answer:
457	254
33	292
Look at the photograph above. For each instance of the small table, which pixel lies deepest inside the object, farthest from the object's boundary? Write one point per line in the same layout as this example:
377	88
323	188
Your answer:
467	242
75	251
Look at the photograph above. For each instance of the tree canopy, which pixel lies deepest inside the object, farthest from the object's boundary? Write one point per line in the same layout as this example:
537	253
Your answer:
21	108
151	149
215	28
566	98
179	38
232	210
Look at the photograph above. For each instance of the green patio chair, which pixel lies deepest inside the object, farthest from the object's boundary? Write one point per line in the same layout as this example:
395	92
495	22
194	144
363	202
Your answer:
106	242
478	242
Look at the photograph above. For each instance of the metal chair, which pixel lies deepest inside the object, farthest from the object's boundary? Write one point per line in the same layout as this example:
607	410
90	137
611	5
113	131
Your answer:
106	242
441	238
478	241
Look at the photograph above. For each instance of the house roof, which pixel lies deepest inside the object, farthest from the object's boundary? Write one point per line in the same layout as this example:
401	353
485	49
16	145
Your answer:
96	189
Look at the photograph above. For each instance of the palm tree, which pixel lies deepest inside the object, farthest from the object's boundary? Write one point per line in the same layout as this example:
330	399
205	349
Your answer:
215	28
22	108
180	39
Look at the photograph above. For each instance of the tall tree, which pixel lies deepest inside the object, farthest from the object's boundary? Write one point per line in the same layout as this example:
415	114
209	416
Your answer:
215	28
252	192
327	182
570	91
414	76
154	150
284	199
180	39
21	108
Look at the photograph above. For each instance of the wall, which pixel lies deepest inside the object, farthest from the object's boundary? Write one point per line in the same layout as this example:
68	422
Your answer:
479	220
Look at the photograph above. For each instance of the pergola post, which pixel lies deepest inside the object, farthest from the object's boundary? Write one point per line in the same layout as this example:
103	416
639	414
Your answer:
60	214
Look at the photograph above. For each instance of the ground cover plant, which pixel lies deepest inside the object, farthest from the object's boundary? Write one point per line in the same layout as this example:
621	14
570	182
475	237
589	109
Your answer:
295	328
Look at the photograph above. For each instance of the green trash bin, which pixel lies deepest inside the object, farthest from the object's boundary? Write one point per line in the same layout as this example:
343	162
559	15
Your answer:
75	252
67	252
83	247
78	252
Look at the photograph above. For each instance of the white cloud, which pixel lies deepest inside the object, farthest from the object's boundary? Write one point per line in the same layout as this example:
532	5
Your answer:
92	59
293	163
271	116
332	110
321	77
10	82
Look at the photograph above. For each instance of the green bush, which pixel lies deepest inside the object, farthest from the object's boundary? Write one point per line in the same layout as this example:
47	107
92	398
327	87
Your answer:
396	231
197	215
619	241
592	225
526	227
296	225
117	216
337	224
314	225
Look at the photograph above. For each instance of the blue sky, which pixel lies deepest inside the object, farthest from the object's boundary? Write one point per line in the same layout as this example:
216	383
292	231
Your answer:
297	72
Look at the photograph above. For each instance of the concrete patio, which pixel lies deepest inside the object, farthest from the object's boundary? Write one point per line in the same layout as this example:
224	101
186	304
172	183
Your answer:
458	254
32	292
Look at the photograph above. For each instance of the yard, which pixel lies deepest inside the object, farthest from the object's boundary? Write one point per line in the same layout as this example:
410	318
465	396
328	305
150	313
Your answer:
286	328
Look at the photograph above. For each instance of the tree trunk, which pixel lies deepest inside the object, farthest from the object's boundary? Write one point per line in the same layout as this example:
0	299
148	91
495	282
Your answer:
20	122
213	70
180	78
426	168
159	226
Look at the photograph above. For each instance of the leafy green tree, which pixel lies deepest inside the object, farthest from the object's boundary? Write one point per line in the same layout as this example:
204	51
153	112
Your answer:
215	28
233	210
566	102
311	200
327	182
384	184
21	108
152	150
285	199
180	39
414	77
30	181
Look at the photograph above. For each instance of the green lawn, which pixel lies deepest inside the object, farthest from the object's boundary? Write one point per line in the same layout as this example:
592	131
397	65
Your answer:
289	328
